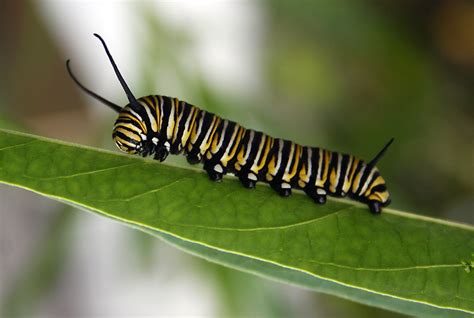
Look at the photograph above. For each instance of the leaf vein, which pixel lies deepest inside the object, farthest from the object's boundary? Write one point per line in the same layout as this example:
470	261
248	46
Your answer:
393	269
84	172
280	227
18	145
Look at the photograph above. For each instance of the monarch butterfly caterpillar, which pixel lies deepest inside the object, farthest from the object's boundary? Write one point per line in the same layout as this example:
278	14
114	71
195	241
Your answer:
159	125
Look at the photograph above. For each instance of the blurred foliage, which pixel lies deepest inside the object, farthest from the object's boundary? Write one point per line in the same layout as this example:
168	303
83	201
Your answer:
33	77
43	269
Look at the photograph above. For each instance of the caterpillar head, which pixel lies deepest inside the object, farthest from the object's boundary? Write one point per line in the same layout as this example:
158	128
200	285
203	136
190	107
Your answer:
129	134
130	131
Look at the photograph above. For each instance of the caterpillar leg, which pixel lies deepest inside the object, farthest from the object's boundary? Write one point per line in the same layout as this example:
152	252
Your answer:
248	180
161	153
317	194
193	159
283	188
214	171
375	207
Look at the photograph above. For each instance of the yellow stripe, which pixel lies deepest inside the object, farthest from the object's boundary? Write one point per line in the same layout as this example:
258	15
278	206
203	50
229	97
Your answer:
127	125
125	142
177	116
378	181
157	111
379	196
187	131
356	183
355	164
333	181
241	132
240	156
288	163
135	119
129	134
195	127
296	160
263	158
207	143
347	184
215	140
261	145
271	165
303	175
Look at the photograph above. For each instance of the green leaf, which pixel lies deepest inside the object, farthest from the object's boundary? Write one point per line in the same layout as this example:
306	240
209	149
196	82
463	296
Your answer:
398	261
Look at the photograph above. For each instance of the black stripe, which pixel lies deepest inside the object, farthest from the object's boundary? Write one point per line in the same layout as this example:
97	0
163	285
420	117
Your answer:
344	166
165	112
332	166
208	117
253	151
143	115
242	145
130	130
358	169
125	137
379	188
315	166
303	161
227	136
376	174
364	178
185	112
285	156
298	157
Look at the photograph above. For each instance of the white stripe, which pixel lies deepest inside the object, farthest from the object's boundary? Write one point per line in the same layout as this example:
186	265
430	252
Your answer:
361	174
261	146
338	172
206	137
288	164
231	141
186	125
348	169
369	180
136	115
310	164
180	117
320	166
280	150
221	140
292	153
152	119
161	111
199	128
170	128
249	146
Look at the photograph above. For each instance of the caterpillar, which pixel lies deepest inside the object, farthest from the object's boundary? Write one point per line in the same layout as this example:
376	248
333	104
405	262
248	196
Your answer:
159	125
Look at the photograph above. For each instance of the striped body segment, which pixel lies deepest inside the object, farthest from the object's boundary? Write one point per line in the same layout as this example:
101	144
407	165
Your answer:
162	125
157	125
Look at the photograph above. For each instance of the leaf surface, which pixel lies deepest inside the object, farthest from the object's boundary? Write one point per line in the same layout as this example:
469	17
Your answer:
398	261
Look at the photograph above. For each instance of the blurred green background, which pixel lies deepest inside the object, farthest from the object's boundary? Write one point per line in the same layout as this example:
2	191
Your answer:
342	75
